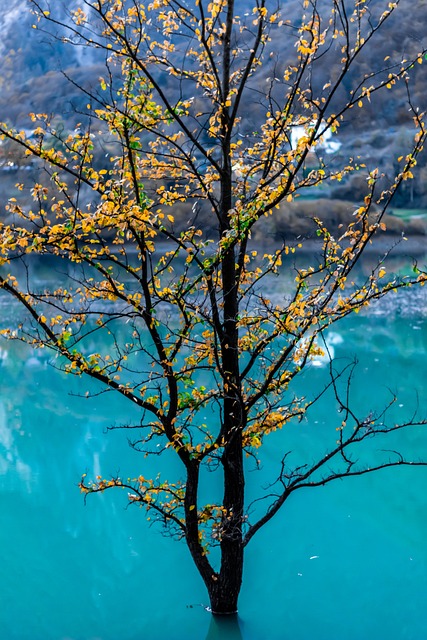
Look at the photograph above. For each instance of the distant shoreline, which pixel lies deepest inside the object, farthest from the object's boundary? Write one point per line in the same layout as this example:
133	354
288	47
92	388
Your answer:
410	245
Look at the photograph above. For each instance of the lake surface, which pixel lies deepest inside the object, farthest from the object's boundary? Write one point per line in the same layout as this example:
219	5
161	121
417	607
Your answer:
343	562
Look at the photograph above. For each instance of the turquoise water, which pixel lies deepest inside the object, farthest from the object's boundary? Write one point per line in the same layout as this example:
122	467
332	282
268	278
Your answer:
344	562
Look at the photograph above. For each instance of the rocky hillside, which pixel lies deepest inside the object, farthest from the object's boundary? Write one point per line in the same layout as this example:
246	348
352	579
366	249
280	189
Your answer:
36	65
33	60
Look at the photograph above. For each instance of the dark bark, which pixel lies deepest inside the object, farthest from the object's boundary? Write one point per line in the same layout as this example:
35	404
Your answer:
192	530
224	589
224	593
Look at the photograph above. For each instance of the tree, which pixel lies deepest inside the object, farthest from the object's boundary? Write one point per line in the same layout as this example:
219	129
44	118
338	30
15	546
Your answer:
188	328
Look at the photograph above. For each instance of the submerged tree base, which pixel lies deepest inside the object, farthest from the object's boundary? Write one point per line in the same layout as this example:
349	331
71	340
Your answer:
223	613
222	605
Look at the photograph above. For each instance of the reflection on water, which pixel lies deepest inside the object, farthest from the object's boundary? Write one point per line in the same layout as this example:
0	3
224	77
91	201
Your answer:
9	454
347	561
224	627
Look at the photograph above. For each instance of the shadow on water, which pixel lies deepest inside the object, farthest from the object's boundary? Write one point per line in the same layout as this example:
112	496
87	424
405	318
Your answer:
224	628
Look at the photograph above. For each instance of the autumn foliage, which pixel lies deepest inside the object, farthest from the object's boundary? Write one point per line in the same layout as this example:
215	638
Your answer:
190	335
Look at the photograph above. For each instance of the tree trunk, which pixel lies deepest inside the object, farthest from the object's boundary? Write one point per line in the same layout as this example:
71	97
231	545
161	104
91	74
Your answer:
224	595
225	588
224	591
